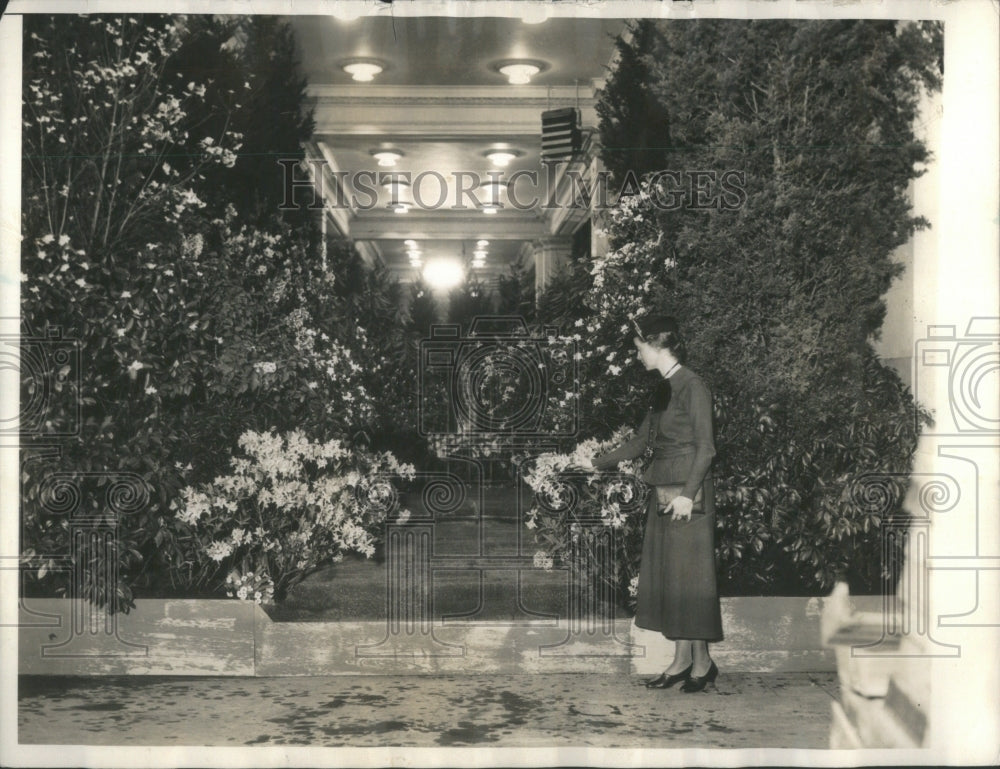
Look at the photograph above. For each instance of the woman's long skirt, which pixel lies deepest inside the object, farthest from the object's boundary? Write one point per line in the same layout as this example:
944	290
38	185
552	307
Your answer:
677	593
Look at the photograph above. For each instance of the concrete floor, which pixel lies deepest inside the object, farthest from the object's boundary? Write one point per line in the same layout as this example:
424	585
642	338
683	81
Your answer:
744	710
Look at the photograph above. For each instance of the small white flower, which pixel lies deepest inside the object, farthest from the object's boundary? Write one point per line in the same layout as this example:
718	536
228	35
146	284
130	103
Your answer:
136	365
150	390
126	294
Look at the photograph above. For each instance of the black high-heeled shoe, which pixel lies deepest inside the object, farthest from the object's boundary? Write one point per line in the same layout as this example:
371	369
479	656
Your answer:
698	683
665	681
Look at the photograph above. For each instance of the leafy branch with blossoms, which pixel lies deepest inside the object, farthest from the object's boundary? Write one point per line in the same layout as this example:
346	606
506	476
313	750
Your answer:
287	508
108	136
575	509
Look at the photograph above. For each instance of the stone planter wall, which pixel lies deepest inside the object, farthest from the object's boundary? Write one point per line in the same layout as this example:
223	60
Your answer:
227	637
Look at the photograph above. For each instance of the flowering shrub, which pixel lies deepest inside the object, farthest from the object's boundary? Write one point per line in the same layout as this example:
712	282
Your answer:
288	507
574	510
192	327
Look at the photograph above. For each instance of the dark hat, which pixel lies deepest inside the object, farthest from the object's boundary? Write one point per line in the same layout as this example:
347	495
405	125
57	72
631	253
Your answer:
650	325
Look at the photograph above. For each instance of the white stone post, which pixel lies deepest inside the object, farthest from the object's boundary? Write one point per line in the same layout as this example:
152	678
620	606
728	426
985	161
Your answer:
550	254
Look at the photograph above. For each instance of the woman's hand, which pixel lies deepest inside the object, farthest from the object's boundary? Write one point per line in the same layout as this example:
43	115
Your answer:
680	509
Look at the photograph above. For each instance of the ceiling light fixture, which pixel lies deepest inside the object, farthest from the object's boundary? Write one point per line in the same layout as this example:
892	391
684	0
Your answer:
491	189
363	70
387	157
482	243
399	194
520	71
502	158
535	13
443	273
479	255
351	11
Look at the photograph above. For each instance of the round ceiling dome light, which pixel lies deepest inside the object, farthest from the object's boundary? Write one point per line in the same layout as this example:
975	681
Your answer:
502	158
399	195
349	11
535	13
520	71
363	70
387	158
491	191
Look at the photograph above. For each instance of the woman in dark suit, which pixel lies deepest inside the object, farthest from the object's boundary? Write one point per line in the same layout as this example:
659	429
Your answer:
677	592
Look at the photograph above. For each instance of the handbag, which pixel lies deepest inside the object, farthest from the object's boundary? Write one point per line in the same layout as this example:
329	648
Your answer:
666	493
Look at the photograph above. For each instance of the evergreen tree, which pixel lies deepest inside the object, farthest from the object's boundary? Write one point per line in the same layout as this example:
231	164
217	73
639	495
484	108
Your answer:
516	292
778	281
468	301
633	123
424	310
249	62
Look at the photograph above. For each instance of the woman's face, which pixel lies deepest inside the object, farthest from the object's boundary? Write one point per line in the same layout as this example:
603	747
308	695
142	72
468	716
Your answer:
647	353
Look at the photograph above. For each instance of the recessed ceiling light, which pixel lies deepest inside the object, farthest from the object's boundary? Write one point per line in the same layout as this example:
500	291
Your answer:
353	11
479	254
387	157
501	158
535	13
399	194
520	71
410	243
363	70
482	243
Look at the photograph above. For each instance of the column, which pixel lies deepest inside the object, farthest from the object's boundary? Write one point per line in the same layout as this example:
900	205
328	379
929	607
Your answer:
957	374
550	254
599	213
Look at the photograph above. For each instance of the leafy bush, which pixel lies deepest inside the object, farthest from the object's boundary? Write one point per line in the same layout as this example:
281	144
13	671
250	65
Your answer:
779	293
574	511
289	507
193	326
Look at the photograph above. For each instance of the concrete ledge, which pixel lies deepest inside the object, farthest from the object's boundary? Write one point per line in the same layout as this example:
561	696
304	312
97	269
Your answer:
227	637
158	637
